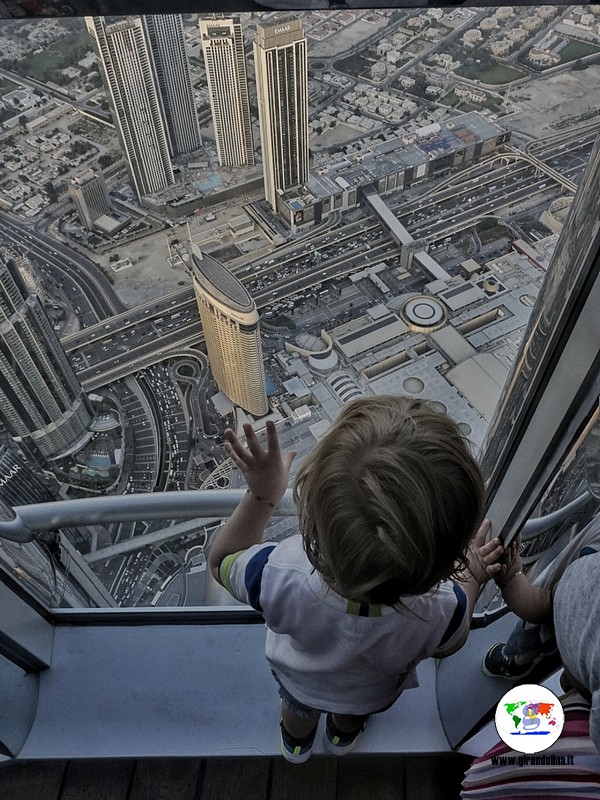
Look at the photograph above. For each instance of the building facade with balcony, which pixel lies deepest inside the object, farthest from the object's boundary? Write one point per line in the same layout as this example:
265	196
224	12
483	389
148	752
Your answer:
166	44
126	68
281	66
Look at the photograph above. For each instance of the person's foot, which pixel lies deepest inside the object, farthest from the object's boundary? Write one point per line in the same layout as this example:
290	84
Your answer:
294	750
339	742
498	665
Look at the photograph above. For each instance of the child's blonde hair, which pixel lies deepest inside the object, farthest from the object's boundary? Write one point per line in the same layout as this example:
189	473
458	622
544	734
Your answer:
388	500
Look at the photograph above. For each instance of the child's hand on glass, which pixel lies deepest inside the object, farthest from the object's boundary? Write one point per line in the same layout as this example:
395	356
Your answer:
266	471
485	557
510	562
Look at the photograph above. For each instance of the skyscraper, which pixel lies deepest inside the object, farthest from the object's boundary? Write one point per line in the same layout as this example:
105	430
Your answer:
225	60
42	405
281	66
166	43
126	67
90	196
19	484
231	331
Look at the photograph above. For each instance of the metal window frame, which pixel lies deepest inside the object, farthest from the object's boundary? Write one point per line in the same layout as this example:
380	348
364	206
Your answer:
548	399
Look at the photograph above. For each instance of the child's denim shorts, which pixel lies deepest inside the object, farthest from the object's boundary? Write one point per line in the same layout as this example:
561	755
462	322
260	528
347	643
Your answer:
307	712
295	706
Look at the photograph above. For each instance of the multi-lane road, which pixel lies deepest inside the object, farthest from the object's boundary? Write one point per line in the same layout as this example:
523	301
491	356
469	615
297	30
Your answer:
78	276
115	341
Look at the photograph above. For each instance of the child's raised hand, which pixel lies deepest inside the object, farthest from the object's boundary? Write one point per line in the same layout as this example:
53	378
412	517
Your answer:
485	557
266	471
510	563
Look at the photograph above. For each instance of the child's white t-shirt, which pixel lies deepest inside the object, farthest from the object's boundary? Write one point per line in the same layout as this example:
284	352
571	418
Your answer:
334	654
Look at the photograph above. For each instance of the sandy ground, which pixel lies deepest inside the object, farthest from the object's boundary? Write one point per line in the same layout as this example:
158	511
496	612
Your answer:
334	136
343	40
151	276
549	99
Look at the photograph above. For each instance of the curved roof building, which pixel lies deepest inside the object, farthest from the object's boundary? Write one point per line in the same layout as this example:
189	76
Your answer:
232	334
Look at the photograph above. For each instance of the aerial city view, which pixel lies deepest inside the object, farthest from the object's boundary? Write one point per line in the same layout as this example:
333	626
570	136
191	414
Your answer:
210	220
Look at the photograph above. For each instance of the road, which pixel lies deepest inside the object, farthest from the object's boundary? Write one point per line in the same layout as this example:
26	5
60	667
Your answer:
58	94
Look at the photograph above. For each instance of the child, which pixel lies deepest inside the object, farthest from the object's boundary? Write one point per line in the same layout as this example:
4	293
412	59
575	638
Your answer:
388	503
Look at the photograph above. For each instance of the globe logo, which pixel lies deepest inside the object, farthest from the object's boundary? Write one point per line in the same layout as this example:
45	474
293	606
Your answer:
529	718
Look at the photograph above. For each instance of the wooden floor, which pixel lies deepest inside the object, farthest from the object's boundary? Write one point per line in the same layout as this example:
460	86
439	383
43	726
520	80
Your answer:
352	777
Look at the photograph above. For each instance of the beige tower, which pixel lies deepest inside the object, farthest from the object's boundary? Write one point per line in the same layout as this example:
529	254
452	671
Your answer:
225	61
231	331
281	66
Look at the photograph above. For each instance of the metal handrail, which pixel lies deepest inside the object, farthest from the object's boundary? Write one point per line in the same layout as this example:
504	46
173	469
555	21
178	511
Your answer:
21	524
533	527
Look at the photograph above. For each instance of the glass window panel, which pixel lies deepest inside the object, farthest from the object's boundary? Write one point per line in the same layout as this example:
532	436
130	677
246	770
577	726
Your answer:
114	376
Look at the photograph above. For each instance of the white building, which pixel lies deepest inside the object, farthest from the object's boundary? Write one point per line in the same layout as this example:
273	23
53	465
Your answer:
126	67
225	61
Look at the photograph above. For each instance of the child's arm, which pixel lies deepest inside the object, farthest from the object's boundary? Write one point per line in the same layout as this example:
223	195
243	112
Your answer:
530	603
266	473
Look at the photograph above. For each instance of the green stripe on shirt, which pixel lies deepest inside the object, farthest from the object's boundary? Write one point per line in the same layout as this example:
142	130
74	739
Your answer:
363	609
225	567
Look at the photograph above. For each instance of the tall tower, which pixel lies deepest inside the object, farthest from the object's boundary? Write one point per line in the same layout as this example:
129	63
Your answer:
90	196
126	67
225	61
166	42
281	66
19	484
231	330
42	405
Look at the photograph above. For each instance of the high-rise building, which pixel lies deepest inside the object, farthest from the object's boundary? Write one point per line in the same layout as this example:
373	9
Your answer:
231	331
90	196
19	484
126	67
281	67
42	404
166	43
225	61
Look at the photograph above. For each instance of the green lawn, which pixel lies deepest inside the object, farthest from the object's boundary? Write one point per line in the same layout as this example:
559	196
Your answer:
7	86
494	76
55	56
450	99
353	65
577	49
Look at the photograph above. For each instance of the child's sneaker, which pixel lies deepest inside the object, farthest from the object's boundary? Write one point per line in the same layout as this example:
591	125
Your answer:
338	742
497	665
296	751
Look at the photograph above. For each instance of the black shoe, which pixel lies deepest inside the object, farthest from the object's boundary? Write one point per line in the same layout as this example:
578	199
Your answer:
338	742
294	750
497	665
